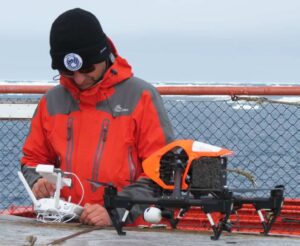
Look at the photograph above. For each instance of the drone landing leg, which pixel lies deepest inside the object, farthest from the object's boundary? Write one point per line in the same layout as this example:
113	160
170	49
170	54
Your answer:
275	204
169	215
181	213
222	225
266	223
217	231
269	224
117	223
174	223
262	219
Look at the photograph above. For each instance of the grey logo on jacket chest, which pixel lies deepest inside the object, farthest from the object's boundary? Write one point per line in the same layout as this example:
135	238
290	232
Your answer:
118	109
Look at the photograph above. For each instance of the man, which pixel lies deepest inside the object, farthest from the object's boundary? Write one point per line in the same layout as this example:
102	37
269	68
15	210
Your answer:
100	122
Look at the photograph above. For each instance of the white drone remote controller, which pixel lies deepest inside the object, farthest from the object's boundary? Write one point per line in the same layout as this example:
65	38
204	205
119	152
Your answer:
53	209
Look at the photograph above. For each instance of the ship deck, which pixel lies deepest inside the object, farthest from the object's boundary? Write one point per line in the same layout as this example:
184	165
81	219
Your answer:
16	230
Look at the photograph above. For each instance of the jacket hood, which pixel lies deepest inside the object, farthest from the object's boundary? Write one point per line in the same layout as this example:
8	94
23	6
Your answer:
119	71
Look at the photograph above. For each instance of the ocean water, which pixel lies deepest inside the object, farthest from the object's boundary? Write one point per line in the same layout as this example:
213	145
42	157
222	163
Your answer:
265	138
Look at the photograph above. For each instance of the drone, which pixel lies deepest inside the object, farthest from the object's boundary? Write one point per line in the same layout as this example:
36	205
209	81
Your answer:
190	174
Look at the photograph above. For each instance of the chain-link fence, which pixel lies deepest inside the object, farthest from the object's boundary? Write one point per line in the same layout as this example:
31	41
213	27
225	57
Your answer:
264	133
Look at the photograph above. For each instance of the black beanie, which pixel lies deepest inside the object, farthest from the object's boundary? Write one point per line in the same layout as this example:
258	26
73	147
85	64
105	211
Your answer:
77	41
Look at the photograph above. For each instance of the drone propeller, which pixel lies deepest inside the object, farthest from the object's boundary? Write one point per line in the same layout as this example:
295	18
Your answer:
99	184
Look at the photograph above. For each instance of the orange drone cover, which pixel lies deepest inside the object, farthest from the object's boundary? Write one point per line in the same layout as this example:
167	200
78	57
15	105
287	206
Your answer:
194	150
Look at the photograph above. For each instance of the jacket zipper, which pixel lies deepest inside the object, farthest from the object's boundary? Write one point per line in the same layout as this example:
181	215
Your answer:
99	151
70	144
132	169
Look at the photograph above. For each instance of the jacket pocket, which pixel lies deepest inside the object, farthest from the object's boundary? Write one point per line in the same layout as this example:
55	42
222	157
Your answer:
70	144
99	152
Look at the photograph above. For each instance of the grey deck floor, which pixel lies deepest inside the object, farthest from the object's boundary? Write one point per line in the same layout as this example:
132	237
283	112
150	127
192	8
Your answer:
16	231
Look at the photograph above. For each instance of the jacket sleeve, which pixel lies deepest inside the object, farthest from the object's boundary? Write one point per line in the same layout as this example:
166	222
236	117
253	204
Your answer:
144	188
37	148
154	129
30	175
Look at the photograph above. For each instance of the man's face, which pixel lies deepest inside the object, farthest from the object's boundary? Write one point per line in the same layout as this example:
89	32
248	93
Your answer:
86	79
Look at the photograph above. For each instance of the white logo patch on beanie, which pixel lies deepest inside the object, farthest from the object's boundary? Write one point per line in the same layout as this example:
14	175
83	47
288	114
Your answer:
73	62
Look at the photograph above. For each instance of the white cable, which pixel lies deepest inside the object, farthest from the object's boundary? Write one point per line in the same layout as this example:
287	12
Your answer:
66	221
50	217
82	195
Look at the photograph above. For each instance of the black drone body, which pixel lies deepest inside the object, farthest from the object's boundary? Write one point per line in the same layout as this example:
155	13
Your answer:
187	180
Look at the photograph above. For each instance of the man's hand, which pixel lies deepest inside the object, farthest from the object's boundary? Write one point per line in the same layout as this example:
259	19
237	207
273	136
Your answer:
95	214
43	188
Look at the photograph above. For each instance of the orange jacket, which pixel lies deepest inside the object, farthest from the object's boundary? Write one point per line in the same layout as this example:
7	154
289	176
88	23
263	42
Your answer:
101	134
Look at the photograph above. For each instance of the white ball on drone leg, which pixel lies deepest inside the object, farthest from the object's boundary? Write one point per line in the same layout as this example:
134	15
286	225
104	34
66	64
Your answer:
152	215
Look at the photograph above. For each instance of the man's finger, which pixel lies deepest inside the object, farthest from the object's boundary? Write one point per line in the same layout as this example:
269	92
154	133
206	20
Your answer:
38	194
84	213
96	220
85	216
95	215
50	188
44	190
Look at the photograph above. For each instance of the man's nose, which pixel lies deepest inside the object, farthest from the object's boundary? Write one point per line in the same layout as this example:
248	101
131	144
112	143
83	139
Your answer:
78	77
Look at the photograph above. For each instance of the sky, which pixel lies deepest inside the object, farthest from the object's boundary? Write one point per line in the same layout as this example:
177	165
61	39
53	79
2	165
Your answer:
205	41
